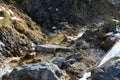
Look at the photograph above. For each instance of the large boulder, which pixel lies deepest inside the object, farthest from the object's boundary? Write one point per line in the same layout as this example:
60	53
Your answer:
38	71
108	71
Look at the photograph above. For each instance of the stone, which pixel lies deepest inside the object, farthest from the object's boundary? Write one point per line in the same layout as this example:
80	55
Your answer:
51	48
38	71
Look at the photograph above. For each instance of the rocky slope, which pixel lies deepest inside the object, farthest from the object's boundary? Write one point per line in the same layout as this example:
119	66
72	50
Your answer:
50	13
58	39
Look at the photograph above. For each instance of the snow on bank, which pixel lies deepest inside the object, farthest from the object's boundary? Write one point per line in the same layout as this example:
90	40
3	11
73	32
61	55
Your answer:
86	76
114	52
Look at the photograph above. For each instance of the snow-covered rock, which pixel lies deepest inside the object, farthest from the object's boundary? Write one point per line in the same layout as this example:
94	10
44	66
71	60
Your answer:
114	52
38	71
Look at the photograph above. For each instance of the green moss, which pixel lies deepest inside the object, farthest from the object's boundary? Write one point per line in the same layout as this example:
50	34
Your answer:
6	20
93	70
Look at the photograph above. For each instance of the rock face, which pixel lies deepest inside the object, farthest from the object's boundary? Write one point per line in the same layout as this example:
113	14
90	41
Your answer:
39	71
13	45
108	71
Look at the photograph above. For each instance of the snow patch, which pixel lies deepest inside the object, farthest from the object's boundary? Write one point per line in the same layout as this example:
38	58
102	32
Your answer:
57	9
85	76
109	33
1	9
10	12
1	18
79	35
115	20
15	18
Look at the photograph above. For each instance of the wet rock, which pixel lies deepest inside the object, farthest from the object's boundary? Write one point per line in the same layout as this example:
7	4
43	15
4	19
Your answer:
108	71
38	71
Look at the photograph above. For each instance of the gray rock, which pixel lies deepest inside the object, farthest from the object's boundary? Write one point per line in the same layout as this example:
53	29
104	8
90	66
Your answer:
51	48
38	71
108	71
